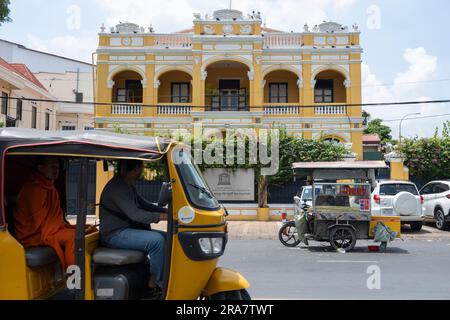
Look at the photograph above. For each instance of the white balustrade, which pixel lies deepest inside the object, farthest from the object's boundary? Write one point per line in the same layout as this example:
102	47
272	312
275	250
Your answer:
282	40
275	110
174	110
126	109
173	41
330	110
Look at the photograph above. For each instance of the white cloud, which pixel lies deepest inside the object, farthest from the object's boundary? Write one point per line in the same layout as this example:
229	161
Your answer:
79	48
174	15
406	86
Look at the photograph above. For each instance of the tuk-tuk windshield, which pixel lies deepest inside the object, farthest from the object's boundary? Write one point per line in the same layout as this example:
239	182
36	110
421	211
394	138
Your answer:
194	184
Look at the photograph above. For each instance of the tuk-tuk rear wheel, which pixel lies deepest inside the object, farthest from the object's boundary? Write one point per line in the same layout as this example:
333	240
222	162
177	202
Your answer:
343	238
237	295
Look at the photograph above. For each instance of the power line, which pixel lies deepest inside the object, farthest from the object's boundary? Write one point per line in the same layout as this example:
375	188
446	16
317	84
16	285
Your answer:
373	104
424	117
389	84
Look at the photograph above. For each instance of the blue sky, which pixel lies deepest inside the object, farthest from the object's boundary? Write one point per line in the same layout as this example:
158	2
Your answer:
405	42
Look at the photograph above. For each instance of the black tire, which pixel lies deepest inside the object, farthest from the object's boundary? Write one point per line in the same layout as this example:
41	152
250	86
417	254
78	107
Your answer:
416	226
343	238
238	295
441	224
288	235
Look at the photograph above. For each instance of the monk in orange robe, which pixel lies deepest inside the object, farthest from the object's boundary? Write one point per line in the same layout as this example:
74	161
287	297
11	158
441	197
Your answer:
39	219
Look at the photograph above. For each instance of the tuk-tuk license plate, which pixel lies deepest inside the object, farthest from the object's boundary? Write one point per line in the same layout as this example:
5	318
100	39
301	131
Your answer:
387	211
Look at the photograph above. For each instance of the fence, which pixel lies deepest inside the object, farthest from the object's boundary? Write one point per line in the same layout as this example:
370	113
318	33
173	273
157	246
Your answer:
284	194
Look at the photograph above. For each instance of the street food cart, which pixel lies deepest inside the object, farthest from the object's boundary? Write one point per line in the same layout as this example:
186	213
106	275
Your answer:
341	204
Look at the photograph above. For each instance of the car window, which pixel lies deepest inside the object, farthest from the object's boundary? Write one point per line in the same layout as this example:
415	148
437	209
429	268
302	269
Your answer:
428	189
307	194
394	188
440	188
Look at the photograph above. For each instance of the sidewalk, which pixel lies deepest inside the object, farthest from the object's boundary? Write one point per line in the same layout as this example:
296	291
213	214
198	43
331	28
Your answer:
257	230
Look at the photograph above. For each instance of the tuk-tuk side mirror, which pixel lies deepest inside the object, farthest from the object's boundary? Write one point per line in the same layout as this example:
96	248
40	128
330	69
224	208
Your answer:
165	195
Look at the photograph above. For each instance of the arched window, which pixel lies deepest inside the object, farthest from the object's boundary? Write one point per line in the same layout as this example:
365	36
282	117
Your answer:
332	140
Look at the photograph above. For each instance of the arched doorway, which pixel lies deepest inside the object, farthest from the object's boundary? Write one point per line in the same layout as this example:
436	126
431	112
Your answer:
281	86
127	87
330	87
175	87
227	86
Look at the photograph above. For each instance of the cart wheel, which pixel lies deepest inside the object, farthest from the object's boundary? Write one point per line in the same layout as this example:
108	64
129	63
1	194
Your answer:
343	238
288	235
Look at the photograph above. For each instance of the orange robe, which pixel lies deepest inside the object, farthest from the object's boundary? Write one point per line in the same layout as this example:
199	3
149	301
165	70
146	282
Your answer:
39	219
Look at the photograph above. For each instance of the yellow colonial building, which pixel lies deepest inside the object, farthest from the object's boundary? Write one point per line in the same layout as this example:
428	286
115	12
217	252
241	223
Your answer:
230	71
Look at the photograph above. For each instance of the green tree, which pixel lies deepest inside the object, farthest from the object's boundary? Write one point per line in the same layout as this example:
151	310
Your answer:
427	158
4	11
291	149
376	126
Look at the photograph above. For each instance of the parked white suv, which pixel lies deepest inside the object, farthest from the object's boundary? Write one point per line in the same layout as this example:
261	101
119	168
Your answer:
398	198
436	206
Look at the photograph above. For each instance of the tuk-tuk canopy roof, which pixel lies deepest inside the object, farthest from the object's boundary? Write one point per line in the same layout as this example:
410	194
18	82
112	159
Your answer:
338	170
344	165
81	143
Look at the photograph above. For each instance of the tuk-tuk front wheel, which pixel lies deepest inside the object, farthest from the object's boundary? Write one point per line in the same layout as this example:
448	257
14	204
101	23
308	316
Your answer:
343	238
288	235
237	295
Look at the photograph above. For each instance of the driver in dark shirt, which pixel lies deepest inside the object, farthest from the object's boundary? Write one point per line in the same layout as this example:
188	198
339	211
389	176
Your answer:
125	219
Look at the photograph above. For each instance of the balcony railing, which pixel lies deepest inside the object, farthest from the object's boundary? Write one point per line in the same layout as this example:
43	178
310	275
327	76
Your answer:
126	109
174	109
173	41
282	40
281	109
330	110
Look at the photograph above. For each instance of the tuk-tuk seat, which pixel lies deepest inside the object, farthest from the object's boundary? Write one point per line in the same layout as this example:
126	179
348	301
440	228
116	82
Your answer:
40	256
117	257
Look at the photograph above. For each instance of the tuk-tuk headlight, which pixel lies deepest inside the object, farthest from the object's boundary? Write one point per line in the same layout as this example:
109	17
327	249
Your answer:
205	245
211	245
217	245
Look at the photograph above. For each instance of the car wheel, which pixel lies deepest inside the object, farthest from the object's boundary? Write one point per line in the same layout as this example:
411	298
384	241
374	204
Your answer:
441	224
416	226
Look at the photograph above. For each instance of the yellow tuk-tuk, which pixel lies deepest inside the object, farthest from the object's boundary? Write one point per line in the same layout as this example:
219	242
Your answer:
196	228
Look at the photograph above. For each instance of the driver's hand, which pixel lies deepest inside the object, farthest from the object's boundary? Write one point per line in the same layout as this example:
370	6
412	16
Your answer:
164	217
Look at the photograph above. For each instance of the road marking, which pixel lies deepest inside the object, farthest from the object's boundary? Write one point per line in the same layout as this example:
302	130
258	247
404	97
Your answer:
344	261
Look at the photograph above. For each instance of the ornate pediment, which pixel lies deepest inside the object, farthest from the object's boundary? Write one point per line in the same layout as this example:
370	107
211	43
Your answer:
332	27
228	14
127	28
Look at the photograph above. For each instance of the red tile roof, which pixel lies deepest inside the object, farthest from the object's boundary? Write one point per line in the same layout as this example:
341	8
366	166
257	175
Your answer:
23	71
371	138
